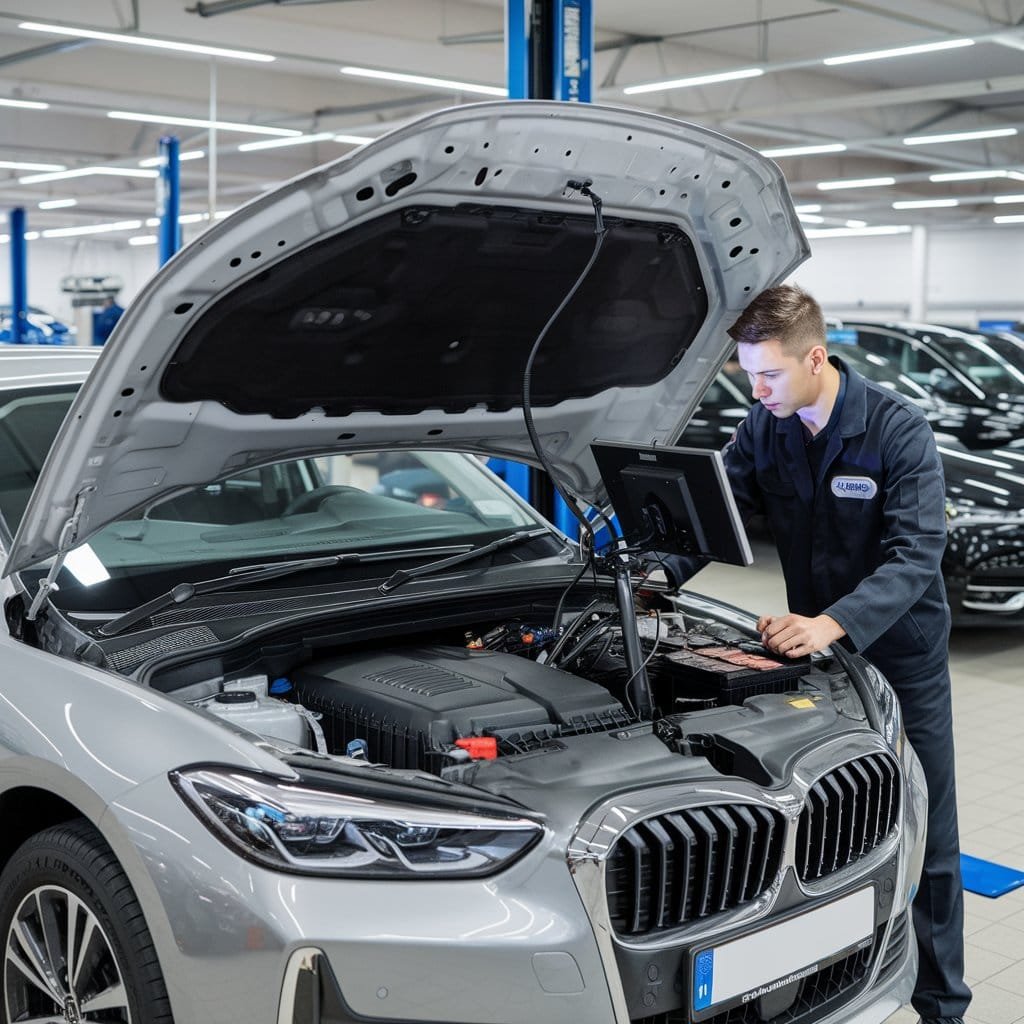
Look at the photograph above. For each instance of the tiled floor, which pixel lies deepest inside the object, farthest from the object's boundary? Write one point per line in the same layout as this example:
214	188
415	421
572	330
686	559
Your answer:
988	707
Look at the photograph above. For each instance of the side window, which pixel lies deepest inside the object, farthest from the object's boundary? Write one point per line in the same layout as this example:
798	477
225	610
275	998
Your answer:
28	426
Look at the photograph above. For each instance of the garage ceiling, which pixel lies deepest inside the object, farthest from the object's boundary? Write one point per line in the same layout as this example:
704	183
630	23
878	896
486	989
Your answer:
789	97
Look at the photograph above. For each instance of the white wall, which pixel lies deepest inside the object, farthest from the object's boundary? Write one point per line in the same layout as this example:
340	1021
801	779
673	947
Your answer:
972	275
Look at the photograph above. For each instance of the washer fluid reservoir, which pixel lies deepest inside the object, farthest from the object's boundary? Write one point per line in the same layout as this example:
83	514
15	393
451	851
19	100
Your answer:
266	716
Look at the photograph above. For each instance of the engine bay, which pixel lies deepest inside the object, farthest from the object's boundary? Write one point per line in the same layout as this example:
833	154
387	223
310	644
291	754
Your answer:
520	688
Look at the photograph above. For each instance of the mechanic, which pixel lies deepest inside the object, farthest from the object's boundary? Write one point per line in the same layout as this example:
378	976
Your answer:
850	480
104	320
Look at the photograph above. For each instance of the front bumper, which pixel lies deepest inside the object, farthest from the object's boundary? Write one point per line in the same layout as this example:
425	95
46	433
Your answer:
244	943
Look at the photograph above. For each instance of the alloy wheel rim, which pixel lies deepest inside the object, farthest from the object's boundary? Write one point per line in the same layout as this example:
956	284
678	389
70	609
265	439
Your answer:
59	964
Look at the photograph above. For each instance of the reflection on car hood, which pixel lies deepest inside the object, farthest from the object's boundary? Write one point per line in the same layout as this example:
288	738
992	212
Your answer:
985	479
391	299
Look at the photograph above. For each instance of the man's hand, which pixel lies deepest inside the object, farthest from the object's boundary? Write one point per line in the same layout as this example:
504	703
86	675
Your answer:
796	635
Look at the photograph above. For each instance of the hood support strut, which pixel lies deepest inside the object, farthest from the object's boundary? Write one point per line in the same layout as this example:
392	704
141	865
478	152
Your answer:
68	534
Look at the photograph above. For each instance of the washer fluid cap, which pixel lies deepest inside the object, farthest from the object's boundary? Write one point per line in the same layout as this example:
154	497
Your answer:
282	685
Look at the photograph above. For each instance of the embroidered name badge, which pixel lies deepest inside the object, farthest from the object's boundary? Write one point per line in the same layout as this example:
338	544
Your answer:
854	487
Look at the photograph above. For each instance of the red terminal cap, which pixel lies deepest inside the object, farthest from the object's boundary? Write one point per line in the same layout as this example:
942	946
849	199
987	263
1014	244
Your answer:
479	748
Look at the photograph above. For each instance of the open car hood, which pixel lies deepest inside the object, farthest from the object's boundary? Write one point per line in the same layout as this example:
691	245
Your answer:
390	299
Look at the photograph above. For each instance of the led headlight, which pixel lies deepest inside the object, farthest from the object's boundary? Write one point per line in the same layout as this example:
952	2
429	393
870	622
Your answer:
888	707
294	826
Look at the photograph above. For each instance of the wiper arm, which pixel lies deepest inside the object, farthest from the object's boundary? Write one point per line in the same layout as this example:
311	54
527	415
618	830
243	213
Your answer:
510	540
244	575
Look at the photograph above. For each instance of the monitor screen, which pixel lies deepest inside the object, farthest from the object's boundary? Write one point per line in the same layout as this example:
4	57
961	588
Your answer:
676	501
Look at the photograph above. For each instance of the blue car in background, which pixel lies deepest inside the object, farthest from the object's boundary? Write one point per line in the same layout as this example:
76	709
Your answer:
41	328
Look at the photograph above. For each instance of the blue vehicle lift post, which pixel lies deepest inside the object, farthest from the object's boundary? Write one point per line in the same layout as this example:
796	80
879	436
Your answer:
169	198
549	54
19	276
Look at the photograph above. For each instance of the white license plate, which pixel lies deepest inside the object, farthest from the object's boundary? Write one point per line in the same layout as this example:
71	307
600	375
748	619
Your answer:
755	965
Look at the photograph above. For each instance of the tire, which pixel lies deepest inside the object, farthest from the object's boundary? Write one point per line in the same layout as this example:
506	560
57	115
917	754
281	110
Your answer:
66	881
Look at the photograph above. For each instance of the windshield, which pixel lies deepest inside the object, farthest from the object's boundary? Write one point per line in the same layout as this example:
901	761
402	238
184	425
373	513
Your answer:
394	501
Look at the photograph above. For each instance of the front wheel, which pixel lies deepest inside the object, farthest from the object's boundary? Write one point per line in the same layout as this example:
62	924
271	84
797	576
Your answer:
76	945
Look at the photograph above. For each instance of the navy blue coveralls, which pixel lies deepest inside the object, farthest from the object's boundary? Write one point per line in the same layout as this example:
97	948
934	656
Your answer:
863	543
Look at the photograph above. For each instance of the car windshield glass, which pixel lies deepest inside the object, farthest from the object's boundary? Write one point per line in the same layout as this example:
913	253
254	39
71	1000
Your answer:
382	501
29	420
976	357
880	369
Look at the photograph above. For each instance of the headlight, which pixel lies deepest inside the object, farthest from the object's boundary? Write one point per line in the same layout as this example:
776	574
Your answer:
293	826
889	709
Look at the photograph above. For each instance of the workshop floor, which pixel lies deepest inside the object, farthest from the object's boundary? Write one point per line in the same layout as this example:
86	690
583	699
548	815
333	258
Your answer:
987	668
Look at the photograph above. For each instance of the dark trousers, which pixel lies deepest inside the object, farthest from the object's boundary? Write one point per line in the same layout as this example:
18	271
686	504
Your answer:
923	687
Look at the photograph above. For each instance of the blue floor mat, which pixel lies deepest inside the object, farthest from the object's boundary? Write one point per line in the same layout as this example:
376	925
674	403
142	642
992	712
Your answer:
988	879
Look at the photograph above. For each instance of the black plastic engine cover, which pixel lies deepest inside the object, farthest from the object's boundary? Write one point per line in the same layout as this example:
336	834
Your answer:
439	694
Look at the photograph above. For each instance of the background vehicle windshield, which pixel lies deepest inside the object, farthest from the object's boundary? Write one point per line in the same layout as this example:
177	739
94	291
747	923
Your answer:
976	357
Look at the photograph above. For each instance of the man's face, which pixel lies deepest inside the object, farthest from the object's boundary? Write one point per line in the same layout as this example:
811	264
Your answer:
782	383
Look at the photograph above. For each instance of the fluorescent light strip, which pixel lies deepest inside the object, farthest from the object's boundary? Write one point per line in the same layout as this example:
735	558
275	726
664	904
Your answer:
158	44
1015	218
200	122
25	104
899	51
92	229
686	83
885	229
353	140
828	186
810	218
143	240
830	147
1008	199
923	204
20	165
298	140
57	204
856	223
189	154
434	83
986	133
808	208
967	175
85	172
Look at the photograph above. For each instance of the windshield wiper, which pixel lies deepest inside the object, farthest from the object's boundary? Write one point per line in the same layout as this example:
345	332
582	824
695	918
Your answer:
511	540
245	575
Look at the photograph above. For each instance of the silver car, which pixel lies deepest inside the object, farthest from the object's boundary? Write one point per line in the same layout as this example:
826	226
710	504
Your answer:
307	718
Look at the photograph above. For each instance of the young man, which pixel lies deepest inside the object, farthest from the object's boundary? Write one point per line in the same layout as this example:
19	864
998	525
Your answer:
850	480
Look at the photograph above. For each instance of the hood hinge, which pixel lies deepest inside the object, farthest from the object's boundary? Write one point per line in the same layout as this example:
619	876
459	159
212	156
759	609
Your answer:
67	539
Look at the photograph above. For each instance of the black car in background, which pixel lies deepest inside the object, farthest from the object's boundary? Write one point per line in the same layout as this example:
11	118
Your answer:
984	560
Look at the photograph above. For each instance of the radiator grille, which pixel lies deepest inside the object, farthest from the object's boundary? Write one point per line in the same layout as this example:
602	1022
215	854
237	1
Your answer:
688	864
847	814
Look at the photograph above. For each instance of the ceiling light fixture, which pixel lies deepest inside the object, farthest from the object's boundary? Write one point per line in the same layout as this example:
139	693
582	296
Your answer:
1015	218
828	186
923	204
189	154
829	147
433	83
898	51
686	83
298	140
983	133
200	122
25	104
92	229
967	175
810	218
1008	199
20	165
808	208
856	223
57	204
85	172
884	229
158	44
142	240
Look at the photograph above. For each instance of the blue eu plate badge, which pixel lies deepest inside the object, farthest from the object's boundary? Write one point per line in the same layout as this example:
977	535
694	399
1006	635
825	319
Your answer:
703	976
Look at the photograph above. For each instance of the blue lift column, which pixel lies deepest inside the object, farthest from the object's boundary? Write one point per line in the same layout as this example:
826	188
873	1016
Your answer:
19	276
549	54
169	199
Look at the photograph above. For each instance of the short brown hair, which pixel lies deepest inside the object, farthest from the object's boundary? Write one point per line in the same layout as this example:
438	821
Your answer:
785	312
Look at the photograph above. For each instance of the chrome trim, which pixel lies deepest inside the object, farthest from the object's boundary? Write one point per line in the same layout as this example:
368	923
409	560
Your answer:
977	588
304	959
598	832
1010	605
